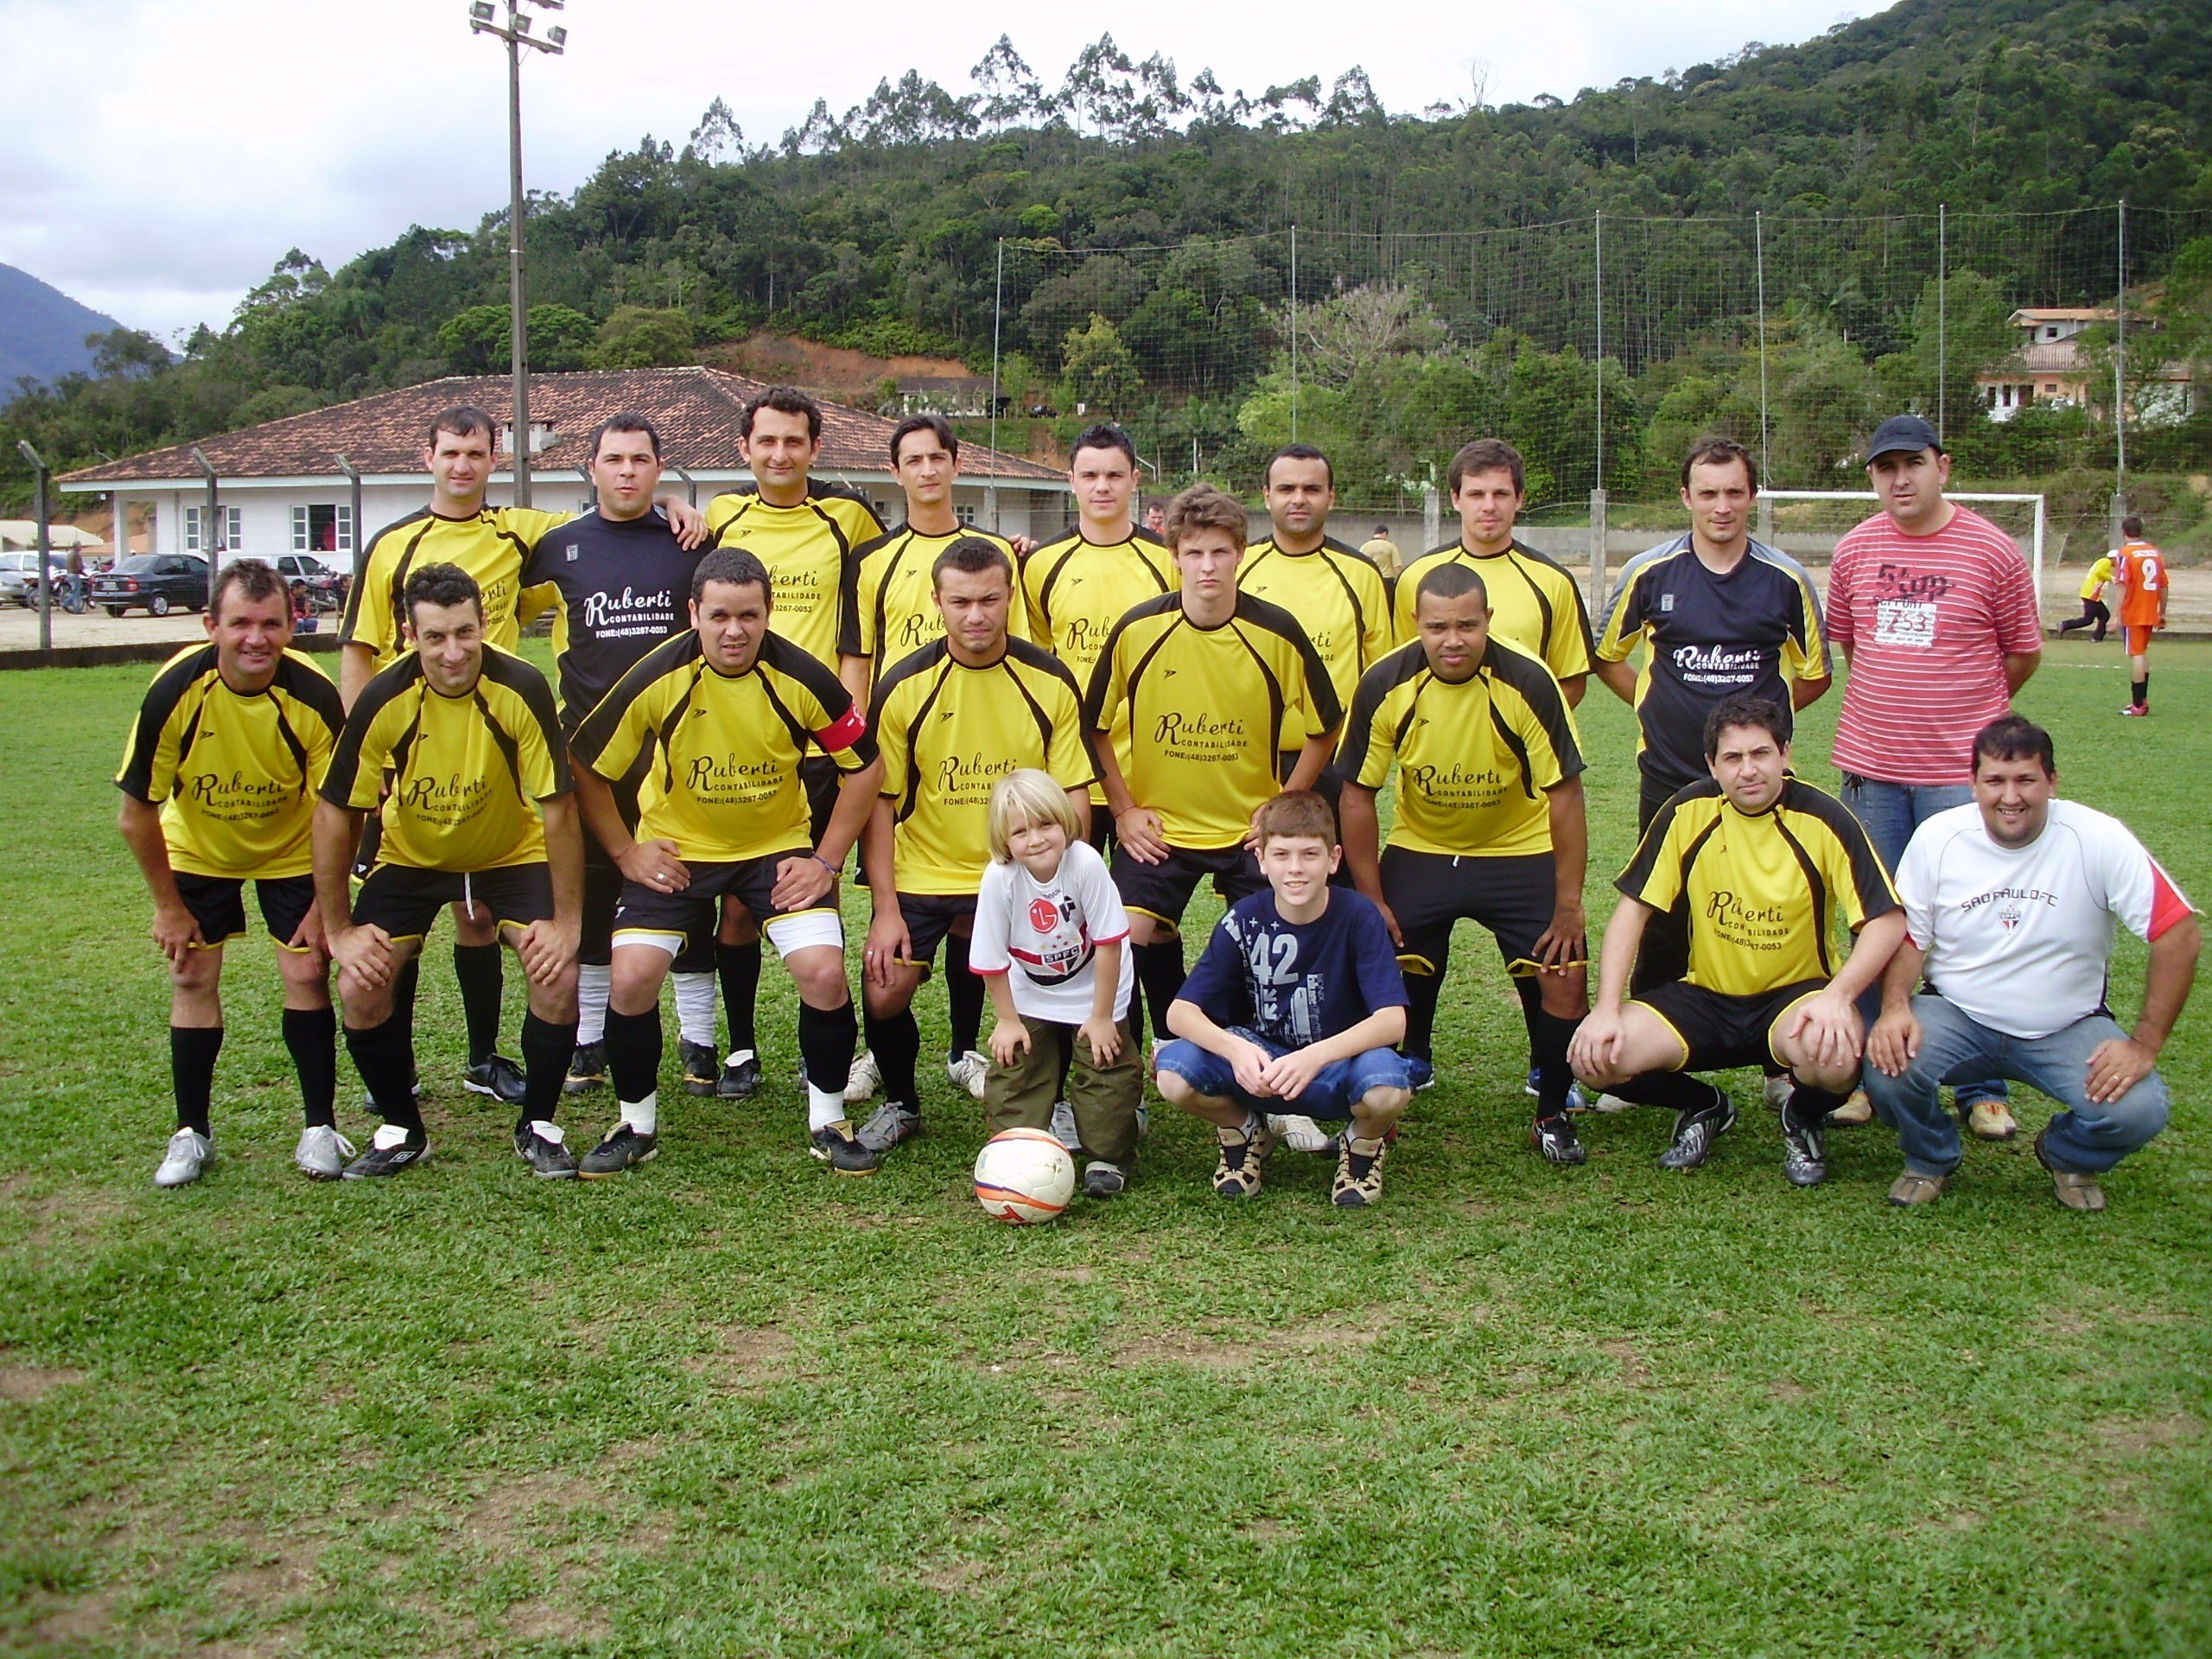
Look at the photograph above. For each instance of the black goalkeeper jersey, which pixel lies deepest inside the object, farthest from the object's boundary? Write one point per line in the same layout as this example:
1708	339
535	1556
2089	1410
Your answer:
620	587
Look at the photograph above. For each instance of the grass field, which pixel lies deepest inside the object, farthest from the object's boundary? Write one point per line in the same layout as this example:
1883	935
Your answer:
730	1405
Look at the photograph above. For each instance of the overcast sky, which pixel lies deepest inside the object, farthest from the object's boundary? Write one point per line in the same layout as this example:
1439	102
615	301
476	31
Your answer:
163	155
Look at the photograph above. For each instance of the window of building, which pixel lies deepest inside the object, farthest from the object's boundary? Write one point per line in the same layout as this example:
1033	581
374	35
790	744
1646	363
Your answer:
318	529
966	513
233	530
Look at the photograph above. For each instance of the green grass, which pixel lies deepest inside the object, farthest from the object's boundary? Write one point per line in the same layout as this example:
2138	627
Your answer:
730	1405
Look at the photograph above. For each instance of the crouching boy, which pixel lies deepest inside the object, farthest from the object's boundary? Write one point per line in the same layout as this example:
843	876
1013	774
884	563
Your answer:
1052	944
1295	1006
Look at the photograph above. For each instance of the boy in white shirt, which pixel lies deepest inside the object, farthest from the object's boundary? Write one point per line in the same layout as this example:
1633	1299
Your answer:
2009	905
1051	944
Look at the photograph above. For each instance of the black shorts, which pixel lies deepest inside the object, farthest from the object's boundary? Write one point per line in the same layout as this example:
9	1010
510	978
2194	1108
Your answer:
603	880
931	916
819	777
404	901
695	911
1163	891
1429	892
218	903
1723	1031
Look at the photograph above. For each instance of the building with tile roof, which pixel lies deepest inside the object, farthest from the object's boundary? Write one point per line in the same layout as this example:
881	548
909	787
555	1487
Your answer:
283	486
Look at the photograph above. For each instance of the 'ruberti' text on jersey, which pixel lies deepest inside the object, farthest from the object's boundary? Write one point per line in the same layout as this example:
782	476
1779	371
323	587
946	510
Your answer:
234	773
1474	758
725	748
805	548
467	772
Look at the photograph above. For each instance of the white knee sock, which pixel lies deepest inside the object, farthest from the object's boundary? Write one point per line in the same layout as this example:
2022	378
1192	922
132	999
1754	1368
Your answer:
696	995
592	983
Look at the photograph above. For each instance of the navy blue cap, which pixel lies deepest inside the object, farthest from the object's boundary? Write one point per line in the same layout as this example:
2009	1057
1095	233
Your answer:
1908	433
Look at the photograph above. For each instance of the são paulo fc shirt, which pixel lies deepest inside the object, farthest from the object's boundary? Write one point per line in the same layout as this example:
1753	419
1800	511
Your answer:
1045	936
2018	939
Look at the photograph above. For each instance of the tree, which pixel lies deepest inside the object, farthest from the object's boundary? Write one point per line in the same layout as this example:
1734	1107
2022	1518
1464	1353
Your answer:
1097	366
633	337
718	138
1008	87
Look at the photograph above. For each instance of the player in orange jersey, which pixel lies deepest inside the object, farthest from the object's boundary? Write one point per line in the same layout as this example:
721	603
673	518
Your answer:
2139	571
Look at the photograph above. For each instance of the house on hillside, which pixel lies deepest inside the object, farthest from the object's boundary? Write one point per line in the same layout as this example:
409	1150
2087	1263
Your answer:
283	486
963	397
2049	367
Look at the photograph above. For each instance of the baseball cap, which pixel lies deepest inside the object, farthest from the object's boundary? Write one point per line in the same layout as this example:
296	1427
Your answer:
1905	433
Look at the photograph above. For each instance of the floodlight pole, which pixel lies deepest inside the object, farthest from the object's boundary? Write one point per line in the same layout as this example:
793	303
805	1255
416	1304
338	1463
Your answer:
42	542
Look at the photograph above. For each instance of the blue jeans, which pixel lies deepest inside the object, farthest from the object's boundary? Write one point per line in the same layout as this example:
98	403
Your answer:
1891	812
1335	1087
2087	1137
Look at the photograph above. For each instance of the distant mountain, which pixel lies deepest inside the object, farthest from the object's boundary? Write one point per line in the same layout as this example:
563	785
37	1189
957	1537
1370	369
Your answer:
42	330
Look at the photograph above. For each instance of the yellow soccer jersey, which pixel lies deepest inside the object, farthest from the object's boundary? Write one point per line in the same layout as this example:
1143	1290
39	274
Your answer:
1337	597
949	733
1203	712
467	772
1076	591
492	545
1474	758
805	548
1534	604
724	749
888	612
1759	893
234	774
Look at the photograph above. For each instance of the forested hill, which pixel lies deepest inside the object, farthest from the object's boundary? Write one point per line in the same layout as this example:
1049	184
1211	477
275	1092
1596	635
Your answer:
880	227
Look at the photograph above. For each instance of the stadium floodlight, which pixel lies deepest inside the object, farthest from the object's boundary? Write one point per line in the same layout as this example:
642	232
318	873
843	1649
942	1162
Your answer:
484	19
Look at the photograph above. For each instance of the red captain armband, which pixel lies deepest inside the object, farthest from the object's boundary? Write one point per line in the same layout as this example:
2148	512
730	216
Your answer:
844	733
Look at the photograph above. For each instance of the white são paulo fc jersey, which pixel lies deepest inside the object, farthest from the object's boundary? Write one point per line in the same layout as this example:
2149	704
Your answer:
2018	939
1046	935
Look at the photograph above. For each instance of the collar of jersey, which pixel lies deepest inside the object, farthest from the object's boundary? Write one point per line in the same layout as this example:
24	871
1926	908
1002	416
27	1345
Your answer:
466	518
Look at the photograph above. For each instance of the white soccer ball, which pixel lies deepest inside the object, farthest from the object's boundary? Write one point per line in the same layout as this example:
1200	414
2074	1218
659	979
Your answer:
1024	1176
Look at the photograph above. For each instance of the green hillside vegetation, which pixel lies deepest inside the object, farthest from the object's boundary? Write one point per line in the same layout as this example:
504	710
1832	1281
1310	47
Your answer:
882	229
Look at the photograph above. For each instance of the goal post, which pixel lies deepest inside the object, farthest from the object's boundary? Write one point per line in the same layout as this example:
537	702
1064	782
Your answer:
2035	506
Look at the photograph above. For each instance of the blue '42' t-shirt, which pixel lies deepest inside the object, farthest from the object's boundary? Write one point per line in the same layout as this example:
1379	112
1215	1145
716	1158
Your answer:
1297	983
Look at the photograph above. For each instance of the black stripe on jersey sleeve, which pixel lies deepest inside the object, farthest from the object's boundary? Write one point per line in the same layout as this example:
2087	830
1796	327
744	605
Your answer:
1575	587
1375	686
1877	894
913	663
1320	687
599	727
155	713
1053	573
1632	878
1036	658
1532	683
302	681
524	679
825	688
396	680
849	598
1823	900
1102	671
352	616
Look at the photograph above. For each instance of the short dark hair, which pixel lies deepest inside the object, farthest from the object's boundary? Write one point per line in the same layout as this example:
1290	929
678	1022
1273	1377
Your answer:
785	400
1488	455
463	421
1296	451
252	578
1719	452
2015	737
2132	525
1743	708
734	565
936	425
970	554
1104	435
441	585
1203	507
1299	813
625	421
1451	578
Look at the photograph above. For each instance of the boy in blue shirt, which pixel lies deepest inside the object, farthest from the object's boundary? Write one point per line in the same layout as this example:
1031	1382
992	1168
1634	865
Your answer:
1295	1006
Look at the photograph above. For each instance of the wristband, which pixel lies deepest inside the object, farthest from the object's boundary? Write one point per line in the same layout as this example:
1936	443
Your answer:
834	870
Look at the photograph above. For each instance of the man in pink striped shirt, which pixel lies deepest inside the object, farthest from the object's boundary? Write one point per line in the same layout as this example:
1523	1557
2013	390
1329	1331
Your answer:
1935	611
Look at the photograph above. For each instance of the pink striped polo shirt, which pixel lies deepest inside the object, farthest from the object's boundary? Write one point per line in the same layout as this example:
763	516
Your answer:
1929	621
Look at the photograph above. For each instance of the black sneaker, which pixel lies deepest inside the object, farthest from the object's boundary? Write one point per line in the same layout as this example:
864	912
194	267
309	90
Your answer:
702	1072
586	1069
1554	1139
498	1077
740	1079
550	1161
836	1145
622	1147
392	1150
1695	1132
1804	1150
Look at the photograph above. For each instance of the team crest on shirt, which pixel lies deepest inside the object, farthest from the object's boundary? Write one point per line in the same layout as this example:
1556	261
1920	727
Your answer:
570	550
1666	601
2011	916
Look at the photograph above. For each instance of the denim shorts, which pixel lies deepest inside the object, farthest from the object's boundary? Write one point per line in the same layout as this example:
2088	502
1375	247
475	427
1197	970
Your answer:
1331	1094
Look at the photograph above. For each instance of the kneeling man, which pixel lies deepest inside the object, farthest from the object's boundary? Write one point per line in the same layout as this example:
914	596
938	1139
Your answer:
2010	902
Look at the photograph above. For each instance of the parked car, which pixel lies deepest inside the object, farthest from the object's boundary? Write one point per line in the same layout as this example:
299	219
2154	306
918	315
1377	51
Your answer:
19	575
155	582
325	591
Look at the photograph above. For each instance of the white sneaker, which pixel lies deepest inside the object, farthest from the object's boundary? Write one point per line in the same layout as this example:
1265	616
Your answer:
1775	1090
189	1152
966	1073
1064	1129
1300	1133
322	1154
864	1080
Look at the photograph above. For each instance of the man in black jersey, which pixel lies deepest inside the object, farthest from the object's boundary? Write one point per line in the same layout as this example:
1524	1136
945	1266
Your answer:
618	579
